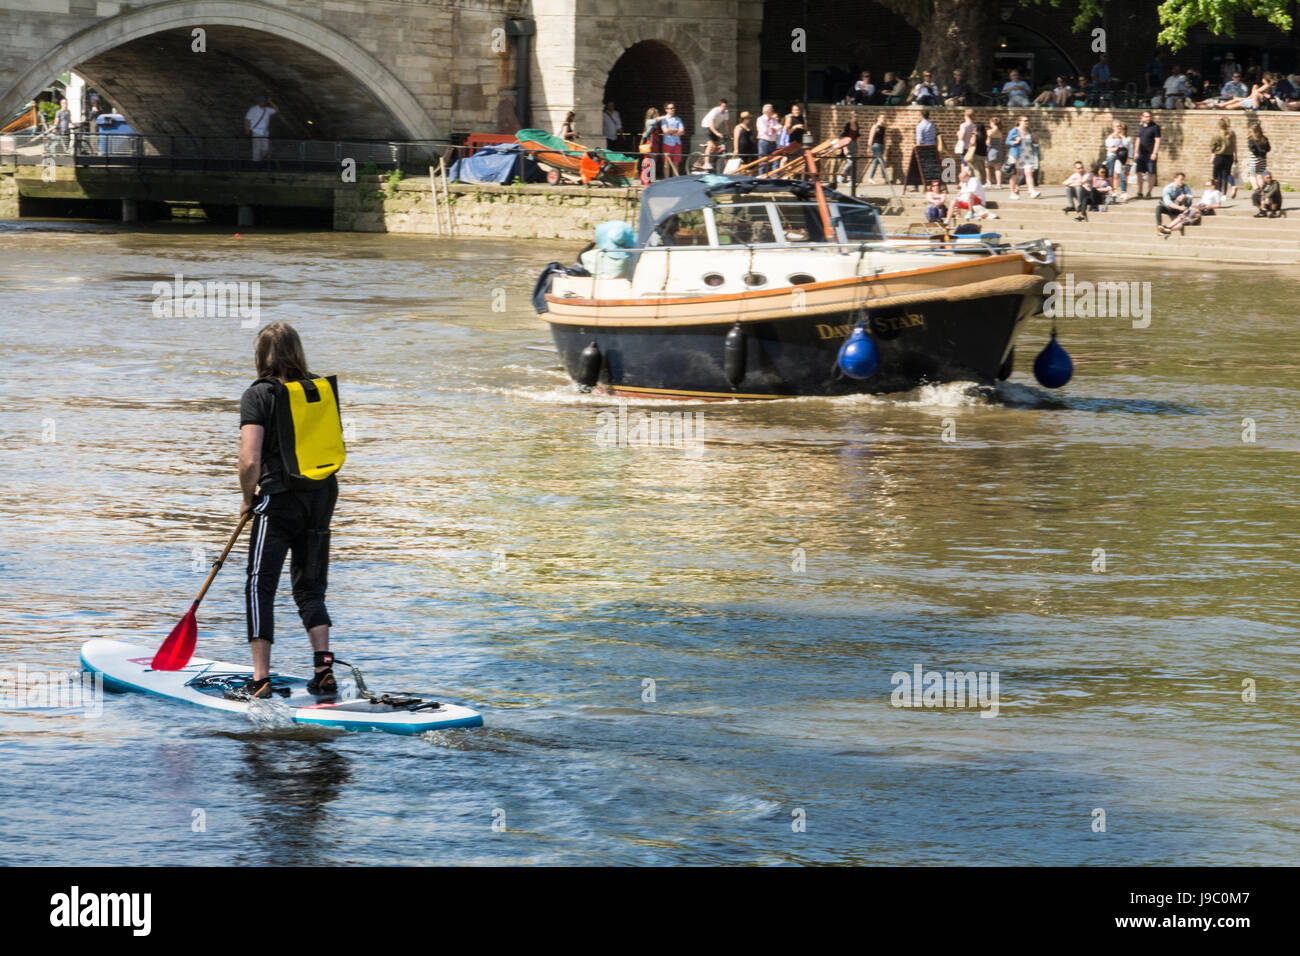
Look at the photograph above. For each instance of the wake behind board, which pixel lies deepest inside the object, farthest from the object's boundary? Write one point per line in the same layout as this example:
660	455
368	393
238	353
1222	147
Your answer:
126	667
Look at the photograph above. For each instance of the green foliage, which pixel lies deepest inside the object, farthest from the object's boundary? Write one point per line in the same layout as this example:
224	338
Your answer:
368	168
390	184
48	110
395	177
1178	18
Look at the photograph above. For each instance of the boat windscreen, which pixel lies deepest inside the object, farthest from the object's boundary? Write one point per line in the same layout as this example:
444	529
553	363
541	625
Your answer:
743	225
684	229
801	222
860	222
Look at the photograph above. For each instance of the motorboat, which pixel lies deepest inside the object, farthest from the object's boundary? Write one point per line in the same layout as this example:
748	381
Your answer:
740	287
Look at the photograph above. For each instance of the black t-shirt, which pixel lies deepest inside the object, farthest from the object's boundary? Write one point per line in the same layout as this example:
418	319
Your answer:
1147	136
257	407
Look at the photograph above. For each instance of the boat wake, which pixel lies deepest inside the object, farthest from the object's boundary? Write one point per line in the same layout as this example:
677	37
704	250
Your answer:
943	395
270	714
569	394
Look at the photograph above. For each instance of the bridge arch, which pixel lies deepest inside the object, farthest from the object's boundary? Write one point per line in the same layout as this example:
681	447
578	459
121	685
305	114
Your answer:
327	85
650	73
646	67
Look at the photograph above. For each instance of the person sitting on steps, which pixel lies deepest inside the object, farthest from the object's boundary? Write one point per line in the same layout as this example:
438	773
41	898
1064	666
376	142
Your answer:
1078	190
1268	198
1174	201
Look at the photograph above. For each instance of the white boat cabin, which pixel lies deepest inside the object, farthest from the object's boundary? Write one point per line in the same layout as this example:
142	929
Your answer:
704	239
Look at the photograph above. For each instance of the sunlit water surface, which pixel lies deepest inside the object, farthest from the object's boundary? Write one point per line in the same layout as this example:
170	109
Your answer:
769	581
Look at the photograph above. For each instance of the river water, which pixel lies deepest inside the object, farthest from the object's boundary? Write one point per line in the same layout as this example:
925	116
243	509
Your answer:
682	654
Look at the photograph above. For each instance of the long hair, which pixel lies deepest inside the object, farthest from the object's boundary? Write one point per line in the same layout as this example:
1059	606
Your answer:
279	353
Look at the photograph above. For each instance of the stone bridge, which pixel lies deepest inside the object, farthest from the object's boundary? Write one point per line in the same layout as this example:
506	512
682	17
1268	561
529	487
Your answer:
386	69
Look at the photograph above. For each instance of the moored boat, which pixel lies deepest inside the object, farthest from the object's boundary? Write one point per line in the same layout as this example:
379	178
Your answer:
738	287
568	161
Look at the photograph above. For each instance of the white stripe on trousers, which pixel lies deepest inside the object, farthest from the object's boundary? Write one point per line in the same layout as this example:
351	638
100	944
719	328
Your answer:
254	608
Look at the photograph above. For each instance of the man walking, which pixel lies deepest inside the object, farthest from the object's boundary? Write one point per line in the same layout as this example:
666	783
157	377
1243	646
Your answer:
1148	150
611	125
63	124
769	132
257	124
927	134
715	123
672	128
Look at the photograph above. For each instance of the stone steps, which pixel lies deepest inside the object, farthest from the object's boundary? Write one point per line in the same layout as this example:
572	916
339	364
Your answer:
1128	229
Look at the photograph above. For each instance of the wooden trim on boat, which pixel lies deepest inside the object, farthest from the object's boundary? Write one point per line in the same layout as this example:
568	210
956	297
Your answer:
833	297
685	394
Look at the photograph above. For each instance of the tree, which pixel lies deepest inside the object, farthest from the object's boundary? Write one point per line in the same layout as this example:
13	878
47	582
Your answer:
955	35
1178	18
958	34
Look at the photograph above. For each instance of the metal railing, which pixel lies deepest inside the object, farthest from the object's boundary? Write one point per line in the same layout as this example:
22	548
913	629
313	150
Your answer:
177	151
184	152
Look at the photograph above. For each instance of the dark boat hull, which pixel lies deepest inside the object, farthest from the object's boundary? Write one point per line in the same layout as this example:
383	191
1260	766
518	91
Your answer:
933	342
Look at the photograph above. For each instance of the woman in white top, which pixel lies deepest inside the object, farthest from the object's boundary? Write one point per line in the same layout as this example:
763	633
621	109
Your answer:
1020	150
1119	159
1211	199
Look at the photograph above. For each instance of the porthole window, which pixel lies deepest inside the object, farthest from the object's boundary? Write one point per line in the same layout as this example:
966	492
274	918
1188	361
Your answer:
801	278
713	279
754	279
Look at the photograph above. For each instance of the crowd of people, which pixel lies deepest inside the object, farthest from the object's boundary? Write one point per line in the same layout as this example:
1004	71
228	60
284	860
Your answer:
726	146
991	157
987	154
1176	88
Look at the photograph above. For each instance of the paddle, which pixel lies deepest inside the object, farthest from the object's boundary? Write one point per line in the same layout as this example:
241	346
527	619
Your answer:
177	650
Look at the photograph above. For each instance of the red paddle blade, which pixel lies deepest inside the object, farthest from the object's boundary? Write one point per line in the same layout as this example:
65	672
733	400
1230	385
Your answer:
177	650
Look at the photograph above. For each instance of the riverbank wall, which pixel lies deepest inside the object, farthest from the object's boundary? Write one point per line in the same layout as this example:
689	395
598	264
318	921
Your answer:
476	209
8	192
1066	134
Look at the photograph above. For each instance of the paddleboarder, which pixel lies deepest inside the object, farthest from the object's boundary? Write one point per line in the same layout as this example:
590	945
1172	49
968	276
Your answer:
291	446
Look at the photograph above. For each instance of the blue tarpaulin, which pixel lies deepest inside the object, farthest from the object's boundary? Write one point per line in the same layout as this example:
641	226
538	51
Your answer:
496	164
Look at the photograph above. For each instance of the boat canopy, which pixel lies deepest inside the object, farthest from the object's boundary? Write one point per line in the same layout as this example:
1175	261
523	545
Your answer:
668	197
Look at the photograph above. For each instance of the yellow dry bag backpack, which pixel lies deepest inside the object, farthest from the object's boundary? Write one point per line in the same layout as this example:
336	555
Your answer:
309	426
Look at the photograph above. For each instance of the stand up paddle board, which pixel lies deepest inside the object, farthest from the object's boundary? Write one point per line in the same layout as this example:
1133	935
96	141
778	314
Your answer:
126	668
